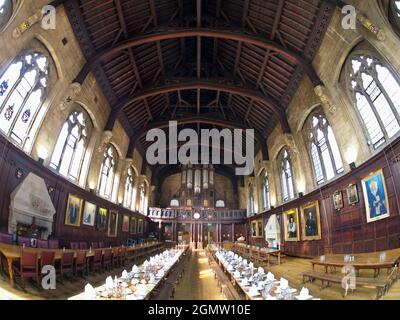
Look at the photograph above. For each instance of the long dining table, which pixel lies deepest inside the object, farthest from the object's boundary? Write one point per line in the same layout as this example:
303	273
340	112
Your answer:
259	254
13	253
373	260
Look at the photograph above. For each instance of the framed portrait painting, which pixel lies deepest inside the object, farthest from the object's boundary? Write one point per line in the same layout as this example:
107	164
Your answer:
125	223
101	219
113	223
375	197
311	221
74	211
133	226
338	200
352	194
89	214
292	226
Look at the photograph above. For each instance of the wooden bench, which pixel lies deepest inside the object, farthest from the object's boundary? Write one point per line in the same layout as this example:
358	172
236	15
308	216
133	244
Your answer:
381	285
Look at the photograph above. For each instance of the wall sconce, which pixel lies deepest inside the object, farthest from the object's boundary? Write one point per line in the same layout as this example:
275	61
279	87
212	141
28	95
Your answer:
91	190
41	161
301	194
352	166
42	154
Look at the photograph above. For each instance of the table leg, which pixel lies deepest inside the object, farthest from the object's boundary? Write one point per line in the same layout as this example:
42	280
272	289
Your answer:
10	271
279	258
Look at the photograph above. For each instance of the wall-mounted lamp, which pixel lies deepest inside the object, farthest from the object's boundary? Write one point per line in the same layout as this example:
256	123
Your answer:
352	166
301	194
41	160
91	190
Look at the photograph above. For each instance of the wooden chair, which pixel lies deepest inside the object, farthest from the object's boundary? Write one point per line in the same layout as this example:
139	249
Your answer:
47	258
53	244
28	267
67	264
43	244
74	245
101	245
81	263
107	259
116	257
95	245
96	264
123	256
83	246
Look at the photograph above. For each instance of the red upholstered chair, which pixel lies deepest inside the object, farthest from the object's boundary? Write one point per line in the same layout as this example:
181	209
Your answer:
96	265
24	241
101	244
44	244
6	238
83	246
53	244
107	259
74	245
95	245
47	258
28	267
67	264
81	263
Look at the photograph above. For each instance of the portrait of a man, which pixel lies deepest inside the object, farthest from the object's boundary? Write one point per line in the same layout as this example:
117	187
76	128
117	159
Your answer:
352	194
311	221
291	223
73	212
375	196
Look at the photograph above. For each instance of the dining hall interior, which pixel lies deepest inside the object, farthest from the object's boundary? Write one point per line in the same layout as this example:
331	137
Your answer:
92	92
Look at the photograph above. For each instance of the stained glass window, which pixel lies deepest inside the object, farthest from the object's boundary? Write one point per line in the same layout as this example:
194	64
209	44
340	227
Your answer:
287	182
22	91
71	145
376	93
107	171
326	159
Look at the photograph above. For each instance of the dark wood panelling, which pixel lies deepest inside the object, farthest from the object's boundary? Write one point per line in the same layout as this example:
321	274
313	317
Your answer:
13	159
347	230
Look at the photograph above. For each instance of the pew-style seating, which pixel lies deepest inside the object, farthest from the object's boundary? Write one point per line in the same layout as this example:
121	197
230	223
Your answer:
381	285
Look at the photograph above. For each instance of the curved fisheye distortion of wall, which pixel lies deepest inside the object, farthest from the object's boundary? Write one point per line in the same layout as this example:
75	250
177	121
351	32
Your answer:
199	150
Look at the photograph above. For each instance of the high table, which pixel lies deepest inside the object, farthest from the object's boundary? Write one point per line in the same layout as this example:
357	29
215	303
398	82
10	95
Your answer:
13	253
373	261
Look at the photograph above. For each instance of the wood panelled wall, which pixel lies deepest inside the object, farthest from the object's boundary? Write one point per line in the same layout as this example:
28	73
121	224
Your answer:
347	230
13	159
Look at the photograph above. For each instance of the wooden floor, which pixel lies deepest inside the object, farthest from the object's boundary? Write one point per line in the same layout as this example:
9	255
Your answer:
198	282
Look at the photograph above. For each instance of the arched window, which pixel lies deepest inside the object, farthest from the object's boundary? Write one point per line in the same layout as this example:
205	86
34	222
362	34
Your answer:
129	185
107	171
326	159
71	145
377	96
265	190
6	10
286	176
22	91
251	200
